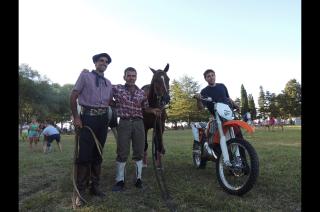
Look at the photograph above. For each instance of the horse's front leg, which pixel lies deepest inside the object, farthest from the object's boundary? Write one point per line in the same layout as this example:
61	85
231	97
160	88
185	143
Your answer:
145	153
160	139
159	147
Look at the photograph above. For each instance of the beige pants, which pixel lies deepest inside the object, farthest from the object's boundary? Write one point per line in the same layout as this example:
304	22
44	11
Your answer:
130	130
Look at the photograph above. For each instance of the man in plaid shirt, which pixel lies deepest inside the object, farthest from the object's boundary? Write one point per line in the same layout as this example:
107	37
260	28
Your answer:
130	103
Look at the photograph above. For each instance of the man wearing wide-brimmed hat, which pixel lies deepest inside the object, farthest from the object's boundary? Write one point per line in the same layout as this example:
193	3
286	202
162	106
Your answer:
94	94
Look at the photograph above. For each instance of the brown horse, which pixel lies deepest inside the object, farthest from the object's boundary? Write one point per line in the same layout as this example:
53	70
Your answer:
158	97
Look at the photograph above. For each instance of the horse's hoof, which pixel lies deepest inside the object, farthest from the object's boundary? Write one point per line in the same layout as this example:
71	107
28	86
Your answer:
159	168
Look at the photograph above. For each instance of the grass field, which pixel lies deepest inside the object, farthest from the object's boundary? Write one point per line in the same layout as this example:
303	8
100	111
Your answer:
45	179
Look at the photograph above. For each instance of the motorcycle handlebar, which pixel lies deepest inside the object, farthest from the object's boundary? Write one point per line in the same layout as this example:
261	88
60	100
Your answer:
209	99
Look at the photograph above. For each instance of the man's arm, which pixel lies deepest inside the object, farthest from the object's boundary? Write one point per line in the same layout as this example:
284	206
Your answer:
45	132
155	111
73	104
199	102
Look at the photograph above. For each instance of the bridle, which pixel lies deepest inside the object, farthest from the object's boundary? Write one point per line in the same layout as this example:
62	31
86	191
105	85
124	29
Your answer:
163	97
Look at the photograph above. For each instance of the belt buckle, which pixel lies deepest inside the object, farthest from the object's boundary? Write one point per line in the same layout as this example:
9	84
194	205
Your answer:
97	111
92	112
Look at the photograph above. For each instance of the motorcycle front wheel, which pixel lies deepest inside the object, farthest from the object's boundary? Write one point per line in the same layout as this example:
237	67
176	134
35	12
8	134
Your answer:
240	178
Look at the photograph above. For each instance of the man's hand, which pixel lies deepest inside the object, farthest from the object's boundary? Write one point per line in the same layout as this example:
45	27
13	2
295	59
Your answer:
236	107
77	122
156	111
234	104
197	96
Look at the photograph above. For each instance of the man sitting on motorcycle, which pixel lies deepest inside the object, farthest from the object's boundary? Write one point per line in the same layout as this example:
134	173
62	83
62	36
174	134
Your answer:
219	93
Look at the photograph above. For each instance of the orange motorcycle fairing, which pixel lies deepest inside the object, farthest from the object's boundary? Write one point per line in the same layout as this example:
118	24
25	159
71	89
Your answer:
239	123
232	123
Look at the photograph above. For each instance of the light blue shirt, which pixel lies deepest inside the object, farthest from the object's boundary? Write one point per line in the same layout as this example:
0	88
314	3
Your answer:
50	130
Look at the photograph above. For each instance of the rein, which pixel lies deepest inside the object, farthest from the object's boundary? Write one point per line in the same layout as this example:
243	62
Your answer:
75	156
159	171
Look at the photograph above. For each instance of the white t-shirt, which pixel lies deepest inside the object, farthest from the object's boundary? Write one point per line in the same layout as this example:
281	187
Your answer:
25	128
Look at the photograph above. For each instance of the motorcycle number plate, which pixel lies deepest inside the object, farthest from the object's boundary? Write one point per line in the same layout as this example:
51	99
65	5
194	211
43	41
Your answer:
224	111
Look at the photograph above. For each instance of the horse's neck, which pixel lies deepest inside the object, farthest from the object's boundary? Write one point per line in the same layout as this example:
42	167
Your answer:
152	99
149	92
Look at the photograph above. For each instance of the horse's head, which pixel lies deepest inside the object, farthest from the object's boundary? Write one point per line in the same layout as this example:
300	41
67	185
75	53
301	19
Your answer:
160	83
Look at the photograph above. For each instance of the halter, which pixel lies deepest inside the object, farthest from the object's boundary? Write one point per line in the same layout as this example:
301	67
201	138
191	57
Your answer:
162	99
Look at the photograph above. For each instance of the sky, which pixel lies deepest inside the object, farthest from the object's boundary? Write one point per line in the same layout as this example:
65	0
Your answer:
247	42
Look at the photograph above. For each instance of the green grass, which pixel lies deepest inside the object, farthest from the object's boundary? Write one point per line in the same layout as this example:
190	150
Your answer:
45	179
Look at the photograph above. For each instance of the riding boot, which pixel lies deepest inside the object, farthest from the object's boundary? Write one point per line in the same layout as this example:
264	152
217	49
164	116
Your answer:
120	174
196	146
138	183
145	155
95	179
81	181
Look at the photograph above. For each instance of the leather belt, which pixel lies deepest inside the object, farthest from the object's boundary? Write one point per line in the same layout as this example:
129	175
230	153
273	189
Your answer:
93	111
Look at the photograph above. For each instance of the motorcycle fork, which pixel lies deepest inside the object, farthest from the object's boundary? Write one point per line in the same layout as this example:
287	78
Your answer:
223	142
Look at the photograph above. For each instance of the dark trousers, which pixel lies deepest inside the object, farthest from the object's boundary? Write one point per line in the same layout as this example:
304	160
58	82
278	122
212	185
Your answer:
88	152
50	138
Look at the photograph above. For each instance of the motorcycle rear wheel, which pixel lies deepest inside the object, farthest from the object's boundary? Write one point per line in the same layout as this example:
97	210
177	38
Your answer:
239	179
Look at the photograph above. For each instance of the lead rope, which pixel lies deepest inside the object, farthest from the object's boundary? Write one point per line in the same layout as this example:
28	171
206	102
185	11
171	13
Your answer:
76	153
75	167
74	171
159	171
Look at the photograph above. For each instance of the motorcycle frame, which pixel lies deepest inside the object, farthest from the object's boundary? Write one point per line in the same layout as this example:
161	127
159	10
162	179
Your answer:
225	129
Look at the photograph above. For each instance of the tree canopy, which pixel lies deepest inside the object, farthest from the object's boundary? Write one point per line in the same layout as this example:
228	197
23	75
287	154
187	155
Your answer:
183	107
42	99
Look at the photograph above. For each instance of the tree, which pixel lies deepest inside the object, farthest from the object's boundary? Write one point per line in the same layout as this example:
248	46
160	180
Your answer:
272	108
26	90
40	98
244	107
281	104
261	103
292	92
178	104
252	107
182	105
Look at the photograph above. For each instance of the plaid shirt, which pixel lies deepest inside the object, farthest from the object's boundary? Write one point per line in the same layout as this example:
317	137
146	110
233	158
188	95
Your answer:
127	105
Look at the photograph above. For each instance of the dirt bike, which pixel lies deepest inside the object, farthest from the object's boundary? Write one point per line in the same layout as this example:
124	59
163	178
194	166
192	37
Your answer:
237	163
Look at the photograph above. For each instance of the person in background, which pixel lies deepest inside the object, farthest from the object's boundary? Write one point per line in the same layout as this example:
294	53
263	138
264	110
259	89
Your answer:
50	134
33	134
271	123
24	132
44	141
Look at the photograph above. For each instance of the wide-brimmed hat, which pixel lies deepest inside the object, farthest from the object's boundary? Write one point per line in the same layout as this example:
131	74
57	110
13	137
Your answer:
96	57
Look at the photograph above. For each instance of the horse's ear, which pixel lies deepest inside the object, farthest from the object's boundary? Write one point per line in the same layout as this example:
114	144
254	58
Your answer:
166	68
154	71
